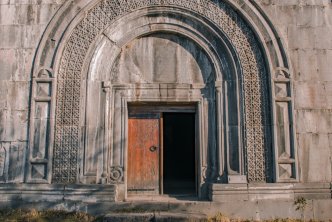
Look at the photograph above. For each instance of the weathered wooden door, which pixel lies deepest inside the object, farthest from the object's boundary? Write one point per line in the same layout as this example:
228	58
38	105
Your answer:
144	153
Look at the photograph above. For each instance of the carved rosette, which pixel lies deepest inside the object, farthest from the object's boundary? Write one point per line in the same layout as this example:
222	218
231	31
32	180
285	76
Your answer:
116	175
254	86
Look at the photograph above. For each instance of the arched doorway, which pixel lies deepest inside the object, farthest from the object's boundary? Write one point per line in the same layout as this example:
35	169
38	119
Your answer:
96	80
160	161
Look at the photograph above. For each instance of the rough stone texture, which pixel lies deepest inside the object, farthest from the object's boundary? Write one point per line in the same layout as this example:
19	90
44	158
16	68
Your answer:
306	28
304	25
318	210
157	217
22	23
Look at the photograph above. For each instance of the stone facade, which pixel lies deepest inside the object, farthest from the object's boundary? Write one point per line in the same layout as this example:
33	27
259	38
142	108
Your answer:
61	62
22	25
305	27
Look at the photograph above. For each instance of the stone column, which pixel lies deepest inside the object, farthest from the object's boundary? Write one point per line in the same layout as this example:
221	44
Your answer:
220	129
107	87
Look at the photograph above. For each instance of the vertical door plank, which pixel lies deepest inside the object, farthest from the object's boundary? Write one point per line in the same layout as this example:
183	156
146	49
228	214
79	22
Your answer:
143	160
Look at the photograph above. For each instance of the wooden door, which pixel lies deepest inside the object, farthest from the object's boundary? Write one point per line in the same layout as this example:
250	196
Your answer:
144	153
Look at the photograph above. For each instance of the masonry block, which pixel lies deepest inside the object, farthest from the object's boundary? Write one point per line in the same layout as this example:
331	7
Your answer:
323	38
7	14
306	65
17	126
3	94
323	64
307	40
13	37
328	94
8	63
314	155
16	162
310	95
32	35
313	121
18	95
310	16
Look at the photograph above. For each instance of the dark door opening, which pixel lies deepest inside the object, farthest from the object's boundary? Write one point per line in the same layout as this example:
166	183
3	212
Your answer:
179	153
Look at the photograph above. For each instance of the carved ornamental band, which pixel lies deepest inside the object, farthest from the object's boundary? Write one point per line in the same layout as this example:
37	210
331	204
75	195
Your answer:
253	80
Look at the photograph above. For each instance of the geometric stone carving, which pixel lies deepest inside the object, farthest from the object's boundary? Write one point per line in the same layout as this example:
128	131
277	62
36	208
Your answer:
38	171
45	73
43	89
282	74
285	154
285	171
41	127
253	80
281	90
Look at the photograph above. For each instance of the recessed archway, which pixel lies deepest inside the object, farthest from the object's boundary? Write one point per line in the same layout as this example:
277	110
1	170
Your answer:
210	59
240	145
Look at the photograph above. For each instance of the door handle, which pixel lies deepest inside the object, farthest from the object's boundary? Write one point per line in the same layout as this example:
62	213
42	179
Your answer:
153	148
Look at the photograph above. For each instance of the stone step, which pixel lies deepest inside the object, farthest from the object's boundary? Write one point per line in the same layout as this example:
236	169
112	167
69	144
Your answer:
155	217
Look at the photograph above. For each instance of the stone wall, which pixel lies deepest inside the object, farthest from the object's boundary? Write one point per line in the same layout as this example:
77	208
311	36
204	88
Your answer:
306	28
22	23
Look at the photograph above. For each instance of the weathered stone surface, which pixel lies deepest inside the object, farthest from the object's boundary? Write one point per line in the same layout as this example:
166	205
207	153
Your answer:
306	64
310	95
307	40
314	121
8	63
16	162
305	27
314	156
322	210
58	196
328	93
158	217
18	95
3	94
12	39
163	58
16	125
4	161
324	68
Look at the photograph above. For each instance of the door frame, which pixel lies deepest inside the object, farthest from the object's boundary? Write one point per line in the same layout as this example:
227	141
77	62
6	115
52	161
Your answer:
169	107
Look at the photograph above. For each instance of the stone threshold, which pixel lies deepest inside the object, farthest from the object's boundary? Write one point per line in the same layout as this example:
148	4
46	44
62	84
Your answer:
281	191
55	192
248	210
251	210
161	198
247	201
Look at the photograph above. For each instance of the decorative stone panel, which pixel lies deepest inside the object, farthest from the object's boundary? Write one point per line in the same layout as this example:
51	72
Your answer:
255	102
285	152
41	127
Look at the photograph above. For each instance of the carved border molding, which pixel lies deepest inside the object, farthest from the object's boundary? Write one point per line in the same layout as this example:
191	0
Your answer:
72	31
67	128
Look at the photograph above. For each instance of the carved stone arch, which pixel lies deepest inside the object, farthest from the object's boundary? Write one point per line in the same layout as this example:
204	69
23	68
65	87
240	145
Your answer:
260	53
134	26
